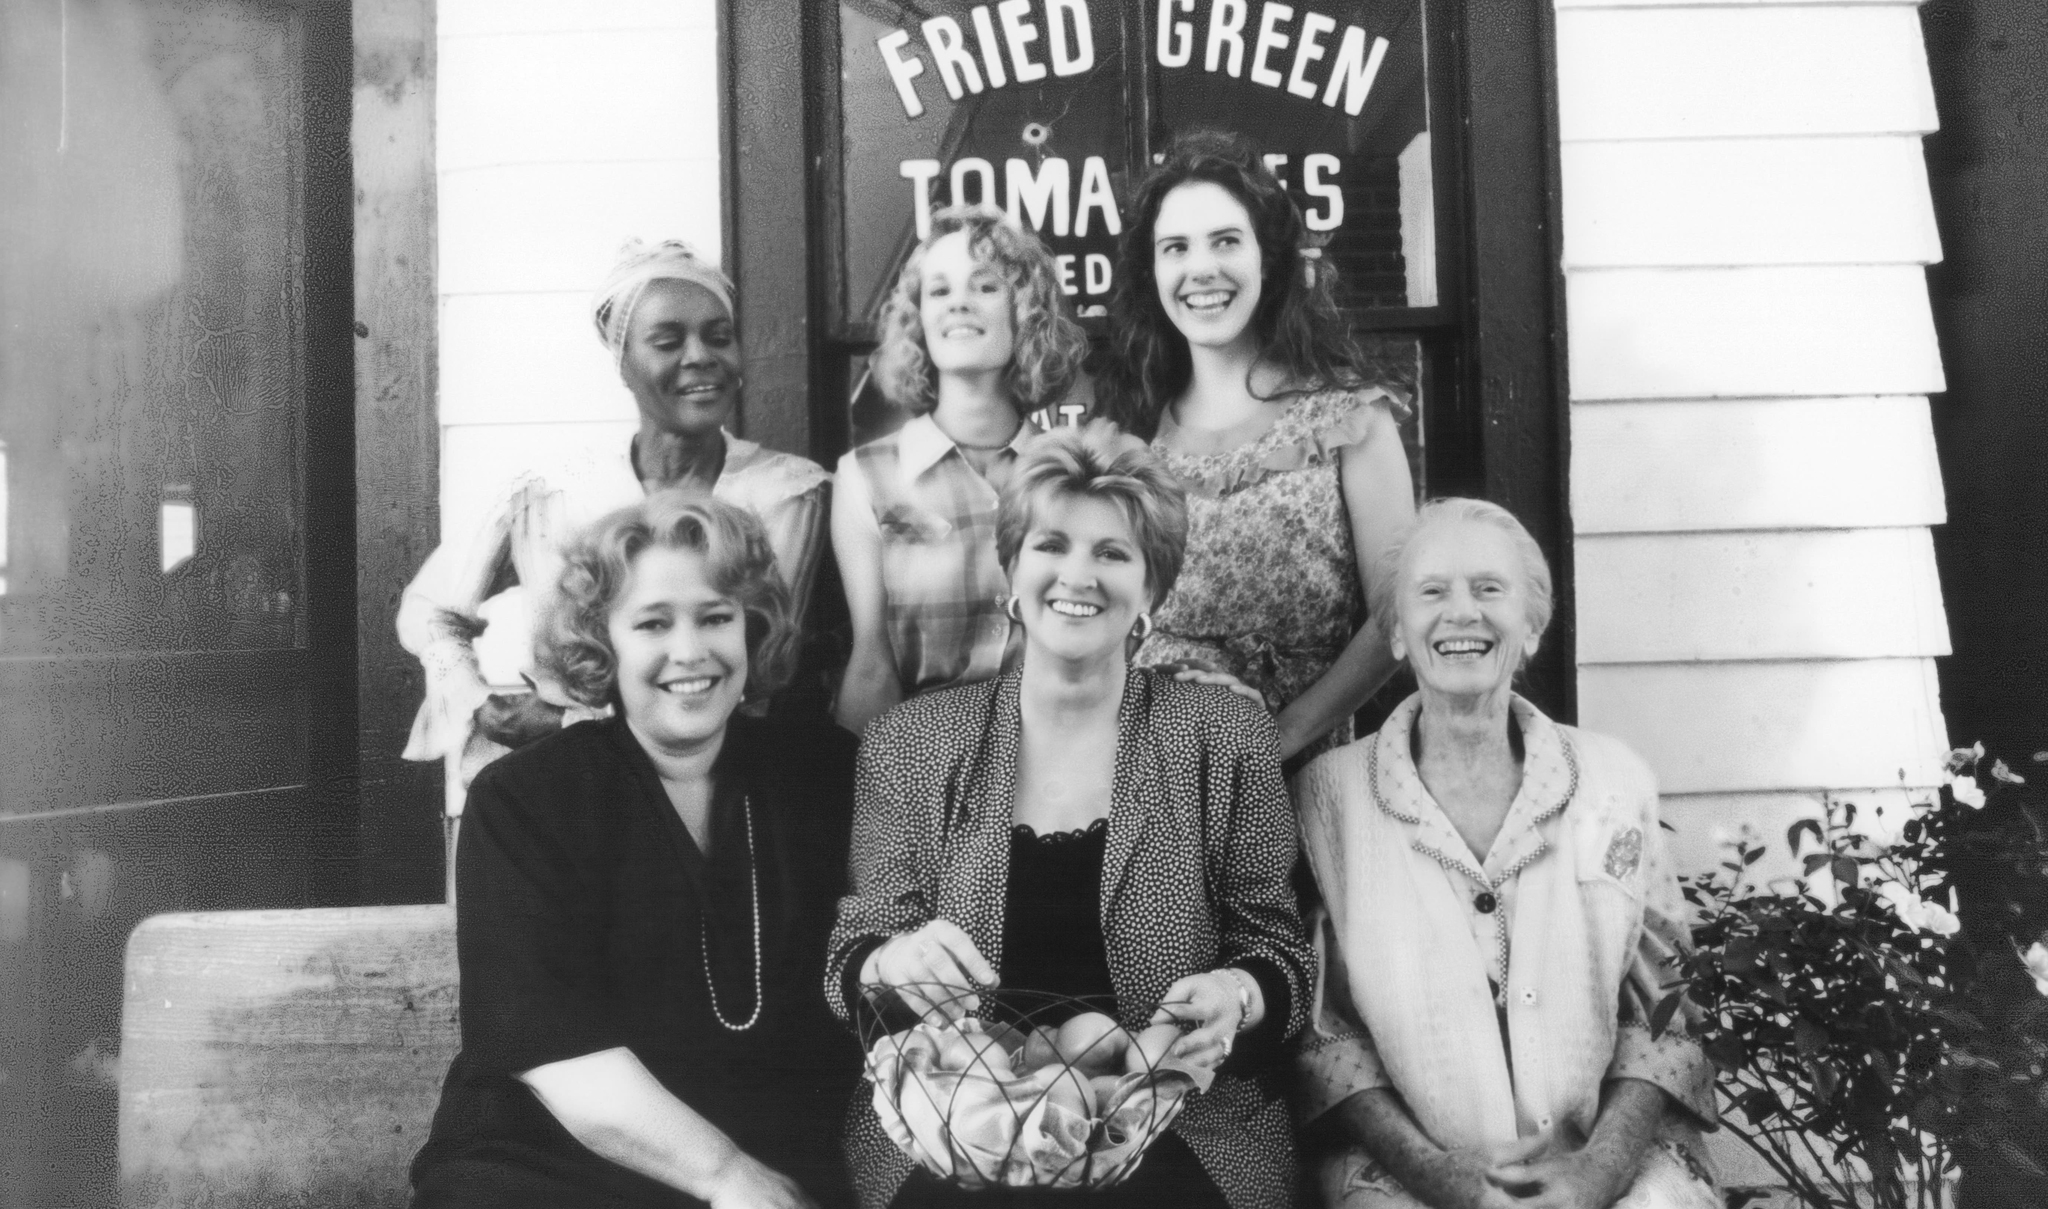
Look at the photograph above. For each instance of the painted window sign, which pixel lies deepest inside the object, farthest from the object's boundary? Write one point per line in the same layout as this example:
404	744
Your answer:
1049	109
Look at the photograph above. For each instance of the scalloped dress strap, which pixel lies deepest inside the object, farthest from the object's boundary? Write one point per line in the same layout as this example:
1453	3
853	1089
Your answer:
1325	422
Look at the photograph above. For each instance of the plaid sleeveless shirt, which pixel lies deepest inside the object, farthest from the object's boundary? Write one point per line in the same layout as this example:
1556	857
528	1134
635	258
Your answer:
943	587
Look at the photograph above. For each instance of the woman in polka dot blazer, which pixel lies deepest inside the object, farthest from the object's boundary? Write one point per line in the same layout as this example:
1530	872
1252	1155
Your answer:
1084	827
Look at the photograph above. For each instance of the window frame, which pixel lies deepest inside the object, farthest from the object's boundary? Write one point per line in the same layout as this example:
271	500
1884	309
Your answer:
1493	349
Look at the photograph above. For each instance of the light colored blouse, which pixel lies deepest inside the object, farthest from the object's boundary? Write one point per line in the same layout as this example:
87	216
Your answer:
1496	996
471	647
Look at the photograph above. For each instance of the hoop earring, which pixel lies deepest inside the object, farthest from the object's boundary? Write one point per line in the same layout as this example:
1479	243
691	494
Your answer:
1143	630
1011	610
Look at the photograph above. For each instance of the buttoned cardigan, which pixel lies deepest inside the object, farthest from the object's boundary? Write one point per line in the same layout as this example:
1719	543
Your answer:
1196	875
1589	920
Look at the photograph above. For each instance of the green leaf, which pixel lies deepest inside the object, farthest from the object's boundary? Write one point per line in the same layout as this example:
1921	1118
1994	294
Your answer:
1809	1038
1793	833
1846	870
1824	1080
1727	1052
1660	1016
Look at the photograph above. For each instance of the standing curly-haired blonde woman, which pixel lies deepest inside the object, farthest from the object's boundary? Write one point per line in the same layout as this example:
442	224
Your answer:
975	337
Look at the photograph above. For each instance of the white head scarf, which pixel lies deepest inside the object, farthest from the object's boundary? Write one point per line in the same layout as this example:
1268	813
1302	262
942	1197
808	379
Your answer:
639	265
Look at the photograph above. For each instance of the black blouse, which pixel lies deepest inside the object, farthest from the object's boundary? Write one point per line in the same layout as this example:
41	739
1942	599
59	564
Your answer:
1052	933
583	909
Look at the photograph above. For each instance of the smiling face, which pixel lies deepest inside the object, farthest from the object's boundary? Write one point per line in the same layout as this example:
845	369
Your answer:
682	358
681	649
1205	257
967	307
1080	578
1462	610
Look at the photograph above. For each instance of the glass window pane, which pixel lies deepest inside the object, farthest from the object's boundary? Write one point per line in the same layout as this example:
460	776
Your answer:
150	370
953	101
1336	95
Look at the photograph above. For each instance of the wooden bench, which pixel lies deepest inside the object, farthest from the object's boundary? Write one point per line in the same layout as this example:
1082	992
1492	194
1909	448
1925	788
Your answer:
276	1059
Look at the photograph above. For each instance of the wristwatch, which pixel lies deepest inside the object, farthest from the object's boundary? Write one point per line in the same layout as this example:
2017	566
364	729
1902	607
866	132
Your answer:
1244	995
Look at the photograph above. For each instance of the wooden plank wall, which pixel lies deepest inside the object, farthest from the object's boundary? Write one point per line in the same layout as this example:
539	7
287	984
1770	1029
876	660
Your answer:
392	141
1747	226
562	131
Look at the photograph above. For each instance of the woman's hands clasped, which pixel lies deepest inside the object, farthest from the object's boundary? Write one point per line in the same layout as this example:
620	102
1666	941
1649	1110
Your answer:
934	969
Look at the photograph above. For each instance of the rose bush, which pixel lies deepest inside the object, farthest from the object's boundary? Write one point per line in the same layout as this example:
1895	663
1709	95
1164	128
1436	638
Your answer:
1885	1023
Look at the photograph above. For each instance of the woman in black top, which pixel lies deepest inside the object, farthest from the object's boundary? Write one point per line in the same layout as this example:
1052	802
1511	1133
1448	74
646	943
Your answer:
643	900
1085	827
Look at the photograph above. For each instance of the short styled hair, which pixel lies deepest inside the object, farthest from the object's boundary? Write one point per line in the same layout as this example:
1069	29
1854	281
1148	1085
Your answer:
1100	461
572	642
1386	582
1045	361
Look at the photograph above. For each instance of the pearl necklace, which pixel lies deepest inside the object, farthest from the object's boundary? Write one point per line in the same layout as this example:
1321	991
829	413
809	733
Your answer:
704	938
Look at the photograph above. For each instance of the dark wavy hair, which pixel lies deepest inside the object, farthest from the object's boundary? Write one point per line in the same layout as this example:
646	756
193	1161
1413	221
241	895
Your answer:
1049	347
572	642
1298	324
1099	461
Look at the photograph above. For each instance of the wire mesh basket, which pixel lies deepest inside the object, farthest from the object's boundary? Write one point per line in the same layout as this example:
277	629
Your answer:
1021	1088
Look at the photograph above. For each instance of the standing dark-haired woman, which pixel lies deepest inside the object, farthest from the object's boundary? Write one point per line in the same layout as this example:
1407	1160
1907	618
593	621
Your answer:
1232	358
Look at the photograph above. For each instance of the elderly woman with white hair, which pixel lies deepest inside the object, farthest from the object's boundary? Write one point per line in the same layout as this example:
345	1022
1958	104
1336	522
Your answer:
1497	922
666	315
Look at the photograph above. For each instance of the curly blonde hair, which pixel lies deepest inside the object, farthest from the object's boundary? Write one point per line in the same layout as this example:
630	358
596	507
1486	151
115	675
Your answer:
572	640
1046	360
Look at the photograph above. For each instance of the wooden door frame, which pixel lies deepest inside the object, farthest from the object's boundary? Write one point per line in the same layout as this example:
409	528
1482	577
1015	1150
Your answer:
397	448
1504	67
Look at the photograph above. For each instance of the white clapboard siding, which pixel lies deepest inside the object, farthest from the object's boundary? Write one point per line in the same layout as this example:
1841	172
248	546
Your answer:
1704	826
559	226
1748	202
1754	464
1813	594
1772	726
1749	69
1751	332
520	358
480	463
453	18
578	96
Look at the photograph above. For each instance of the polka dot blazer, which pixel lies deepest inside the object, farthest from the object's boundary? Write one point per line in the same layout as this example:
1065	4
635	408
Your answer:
1196	870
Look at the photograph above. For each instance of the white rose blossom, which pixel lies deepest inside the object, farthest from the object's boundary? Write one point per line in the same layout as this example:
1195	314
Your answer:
1916	912
2036	961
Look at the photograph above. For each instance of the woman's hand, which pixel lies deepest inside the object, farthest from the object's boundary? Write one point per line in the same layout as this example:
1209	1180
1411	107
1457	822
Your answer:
537	526
1462	1179
744	1182
1201	671
1546	1173
933	969
1576	1179
1211	1004
516	719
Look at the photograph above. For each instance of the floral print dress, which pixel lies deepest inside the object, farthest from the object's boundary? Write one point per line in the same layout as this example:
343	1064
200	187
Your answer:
1270	591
